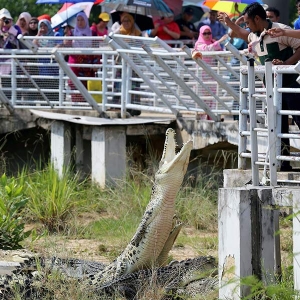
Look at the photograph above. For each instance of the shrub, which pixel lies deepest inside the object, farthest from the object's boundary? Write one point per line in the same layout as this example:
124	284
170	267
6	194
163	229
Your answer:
12	202
52	197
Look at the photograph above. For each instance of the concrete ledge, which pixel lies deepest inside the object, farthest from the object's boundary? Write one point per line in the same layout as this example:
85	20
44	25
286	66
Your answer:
240	178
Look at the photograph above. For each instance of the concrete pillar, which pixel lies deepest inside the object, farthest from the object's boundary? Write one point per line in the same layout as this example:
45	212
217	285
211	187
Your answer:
79	155
60	145
295	195
246	238
108	154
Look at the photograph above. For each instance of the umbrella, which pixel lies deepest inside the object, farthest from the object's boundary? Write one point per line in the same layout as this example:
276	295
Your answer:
87	6
198	8
59	1
143	22
229	7
241	3
141	7
67	14
175	5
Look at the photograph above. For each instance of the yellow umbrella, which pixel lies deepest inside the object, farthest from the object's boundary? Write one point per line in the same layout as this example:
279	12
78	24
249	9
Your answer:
229	7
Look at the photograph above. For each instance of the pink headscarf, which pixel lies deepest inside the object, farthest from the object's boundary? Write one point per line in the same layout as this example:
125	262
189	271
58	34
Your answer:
201	39
26	16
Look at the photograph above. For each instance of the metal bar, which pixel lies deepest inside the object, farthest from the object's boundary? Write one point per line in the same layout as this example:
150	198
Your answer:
271	118
33	82
137	56
61	60
242	146
288	158
218	78
253	134
278	105
183	85
124	56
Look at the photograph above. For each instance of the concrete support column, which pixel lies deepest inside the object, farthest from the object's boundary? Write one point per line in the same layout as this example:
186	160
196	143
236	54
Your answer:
246	238
60	145
79	155
296	237
108	154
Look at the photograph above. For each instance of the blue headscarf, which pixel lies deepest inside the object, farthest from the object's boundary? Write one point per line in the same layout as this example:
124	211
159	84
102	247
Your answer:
46	43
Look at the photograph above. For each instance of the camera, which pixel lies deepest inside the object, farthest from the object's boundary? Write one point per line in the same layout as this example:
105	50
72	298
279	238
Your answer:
6	21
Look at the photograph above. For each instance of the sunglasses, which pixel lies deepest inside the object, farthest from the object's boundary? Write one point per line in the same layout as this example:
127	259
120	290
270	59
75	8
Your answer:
33	23
6	21
206	33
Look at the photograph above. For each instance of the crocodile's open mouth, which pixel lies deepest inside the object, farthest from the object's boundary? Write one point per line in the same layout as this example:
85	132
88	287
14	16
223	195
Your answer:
169	157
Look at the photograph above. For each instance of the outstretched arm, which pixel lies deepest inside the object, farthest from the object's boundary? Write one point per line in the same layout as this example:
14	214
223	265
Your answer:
239	31
276	32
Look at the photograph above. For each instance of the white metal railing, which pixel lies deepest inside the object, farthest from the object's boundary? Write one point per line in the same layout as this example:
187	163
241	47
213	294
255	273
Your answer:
157	77
263	139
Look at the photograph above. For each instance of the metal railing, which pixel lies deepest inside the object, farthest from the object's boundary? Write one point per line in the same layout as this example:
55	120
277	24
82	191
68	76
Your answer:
135	73
146	74
260	129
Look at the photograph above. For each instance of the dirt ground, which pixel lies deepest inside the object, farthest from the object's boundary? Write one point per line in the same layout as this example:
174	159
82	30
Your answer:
89	249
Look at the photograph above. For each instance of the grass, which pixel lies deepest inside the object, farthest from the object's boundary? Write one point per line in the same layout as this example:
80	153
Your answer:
100	223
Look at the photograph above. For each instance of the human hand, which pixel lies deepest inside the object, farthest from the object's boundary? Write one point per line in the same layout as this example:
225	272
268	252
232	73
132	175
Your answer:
165	29
240	20
196	54
185	29
276	32
223	38
223	17
277	61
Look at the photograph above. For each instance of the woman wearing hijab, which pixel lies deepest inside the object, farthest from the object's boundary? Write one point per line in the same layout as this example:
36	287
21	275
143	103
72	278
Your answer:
82	28
33	26
128	27
23	22
45	67
44	29
205	42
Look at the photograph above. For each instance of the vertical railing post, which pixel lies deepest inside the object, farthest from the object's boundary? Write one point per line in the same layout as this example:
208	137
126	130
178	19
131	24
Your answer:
61	85
242	147
253	133
278	106
13	79
104	82
271	118
124	88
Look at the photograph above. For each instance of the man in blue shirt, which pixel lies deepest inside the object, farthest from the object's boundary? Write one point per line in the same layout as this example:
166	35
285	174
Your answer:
217	28
297	22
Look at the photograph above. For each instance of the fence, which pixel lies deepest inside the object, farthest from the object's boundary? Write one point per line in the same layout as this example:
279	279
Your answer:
155	78
249	235
260	127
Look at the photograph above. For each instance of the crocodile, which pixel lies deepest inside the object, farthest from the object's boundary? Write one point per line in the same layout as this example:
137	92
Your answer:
177	278
145	256
155	235
191	277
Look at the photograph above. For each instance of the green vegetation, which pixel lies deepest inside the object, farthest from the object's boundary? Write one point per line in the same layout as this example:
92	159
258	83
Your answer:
64	208
12	203
53	198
